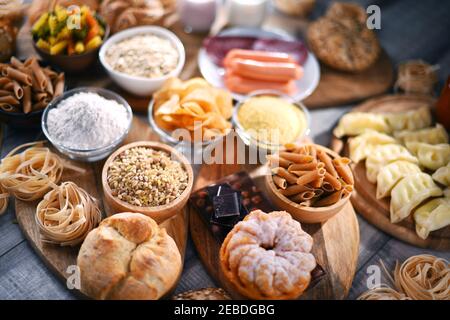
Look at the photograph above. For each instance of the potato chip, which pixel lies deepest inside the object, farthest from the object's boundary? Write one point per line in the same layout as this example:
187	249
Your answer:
193	105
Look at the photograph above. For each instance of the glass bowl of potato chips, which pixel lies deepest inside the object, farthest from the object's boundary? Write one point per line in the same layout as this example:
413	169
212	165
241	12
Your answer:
190	113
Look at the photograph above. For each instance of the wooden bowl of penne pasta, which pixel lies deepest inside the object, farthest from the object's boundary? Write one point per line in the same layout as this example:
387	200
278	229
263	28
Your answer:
309	181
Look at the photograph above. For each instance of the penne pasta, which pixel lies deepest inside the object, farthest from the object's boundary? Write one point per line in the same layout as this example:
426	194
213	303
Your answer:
277	161
4	93
37	73
302	196
16	63
26	105
330	199
7	107
9	100
327	187
280	182
302	166
296	158
333	181
327	161
59	85
309	177
18	91
282	172
40	105
294	189
17	75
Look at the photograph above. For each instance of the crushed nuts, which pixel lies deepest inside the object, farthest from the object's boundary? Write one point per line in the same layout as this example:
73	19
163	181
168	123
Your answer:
146	177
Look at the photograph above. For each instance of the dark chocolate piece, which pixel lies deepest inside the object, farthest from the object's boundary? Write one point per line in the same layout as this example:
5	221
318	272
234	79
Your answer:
226	205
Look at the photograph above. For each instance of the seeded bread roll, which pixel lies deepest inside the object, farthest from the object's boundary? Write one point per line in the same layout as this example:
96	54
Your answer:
128	257
342	40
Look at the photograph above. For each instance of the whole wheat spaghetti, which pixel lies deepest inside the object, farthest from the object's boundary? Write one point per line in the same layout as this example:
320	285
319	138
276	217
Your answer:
66	215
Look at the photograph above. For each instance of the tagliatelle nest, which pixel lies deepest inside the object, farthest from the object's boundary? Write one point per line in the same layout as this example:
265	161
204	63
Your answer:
4	199
421	277
28	175
66	215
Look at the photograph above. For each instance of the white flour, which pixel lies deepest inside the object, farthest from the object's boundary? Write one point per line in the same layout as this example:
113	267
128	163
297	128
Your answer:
87	121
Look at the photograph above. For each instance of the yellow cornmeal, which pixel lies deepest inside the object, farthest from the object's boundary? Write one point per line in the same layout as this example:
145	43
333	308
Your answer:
271	119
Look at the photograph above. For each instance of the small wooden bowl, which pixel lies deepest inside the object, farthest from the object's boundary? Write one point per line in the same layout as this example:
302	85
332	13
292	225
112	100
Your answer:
302	213
158	213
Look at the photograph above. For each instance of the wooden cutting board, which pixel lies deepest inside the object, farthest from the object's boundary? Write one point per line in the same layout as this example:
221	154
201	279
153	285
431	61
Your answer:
59	259
336	242
364	199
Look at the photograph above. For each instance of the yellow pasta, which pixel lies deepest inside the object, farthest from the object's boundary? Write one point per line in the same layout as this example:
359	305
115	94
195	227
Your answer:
58	47
66	215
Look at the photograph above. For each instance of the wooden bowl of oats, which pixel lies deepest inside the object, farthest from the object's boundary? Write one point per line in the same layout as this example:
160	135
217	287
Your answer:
151	178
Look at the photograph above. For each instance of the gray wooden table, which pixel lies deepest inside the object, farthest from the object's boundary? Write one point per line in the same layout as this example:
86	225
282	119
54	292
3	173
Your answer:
409	30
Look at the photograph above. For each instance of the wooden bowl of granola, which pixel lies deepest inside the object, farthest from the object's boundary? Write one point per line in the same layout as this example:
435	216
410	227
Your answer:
151	178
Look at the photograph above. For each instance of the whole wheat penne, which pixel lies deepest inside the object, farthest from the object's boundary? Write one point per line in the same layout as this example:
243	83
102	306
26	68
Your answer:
312	151
280	182
318	193
333	181
9	86
40	96
50	73
4	81
299	173
40	105
343	169
7	107
320	164
16	63
327	187
294	189
18	90
9	100
330	199
58	86
49	88
302	166
296	157
4	93
317	183
38	74
328	162
26	103
277	161
282	172
302	196
17	75
309	177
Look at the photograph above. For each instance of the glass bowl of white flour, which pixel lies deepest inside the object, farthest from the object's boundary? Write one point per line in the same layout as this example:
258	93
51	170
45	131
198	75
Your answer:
87	124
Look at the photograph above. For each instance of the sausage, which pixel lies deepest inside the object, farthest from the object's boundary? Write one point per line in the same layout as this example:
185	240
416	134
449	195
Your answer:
243	85
266	71
263	56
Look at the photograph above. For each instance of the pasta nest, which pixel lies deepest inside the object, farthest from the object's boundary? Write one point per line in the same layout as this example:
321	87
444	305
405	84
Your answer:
66	215
28	175
267	256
